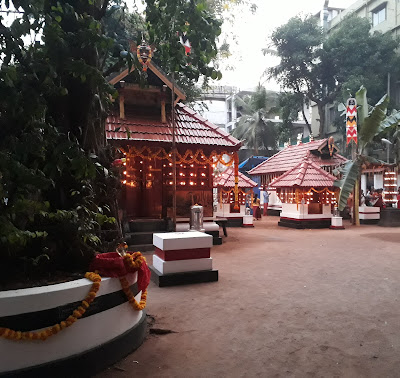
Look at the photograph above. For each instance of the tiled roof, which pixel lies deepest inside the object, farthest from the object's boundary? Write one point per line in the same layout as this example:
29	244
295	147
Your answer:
305	174
191	128
292	155
227	180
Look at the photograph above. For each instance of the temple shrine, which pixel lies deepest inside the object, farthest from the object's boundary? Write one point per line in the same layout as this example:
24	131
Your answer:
323	153
308	196
141	126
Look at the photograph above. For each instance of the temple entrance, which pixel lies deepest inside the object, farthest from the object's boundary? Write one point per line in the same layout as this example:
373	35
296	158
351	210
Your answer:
144	188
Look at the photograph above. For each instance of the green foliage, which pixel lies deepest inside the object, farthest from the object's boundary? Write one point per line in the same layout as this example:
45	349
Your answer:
290	105
253	126
350	174
326	68
57	185
167	17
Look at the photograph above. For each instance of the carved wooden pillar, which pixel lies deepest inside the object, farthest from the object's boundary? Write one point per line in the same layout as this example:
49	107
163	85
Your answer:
236	162
121	105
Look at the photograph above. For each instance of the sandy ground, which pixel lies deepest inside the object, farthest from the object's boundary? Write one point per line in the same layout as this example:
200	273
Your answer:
289	303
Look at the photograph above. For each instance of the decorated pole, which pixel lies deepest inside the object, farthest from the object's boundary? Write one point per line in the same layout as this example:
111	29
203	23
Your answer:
351	121
236	162
351	136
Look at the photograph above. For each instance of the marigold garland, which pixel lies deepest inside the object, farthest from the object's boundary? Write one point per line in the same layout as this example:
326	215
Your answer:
10	334
131	298
134	261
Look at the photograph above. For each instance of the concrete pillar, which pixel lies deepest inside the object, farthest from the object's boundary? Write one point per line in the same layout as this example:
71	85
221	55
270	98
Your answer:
364	183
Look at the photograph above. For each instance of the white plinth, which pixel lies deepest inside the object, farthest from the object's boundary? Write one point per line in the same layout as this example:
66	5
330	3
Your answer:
337	222
208	226
182	240
179	266
247	220
369	212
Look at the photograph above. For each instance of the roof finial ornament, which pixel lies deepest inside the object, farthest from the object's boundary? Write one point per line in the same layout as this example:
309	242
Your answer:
311	137
299	138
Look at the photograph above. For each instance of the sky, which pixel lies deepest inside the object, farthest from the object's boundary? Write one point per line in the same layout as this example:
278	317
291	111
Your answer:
245	67
252	35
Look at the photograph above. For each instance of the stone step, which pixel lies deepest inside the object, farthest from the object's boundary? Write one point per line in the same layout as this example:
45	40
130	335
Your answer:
145	237
147	225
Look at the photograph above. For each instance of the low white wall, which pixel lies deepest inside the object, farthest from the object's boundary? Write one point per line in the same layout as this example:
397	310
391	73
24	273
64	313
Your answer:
369	212
83	335
291	210
224	211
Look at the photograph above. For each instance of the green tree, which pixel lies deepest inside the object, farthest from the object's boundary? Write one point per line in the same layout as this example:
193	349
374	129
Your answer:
325	68
58	187
374	122
253	125
165	18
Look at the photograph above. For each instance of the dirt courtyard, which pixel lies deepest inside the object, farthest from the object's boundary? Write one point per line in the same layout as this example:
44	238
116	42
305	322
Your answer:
289	303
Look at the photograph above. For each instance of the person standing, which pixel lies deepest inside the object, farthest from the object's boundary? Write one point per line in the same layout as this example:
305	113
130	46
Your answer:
256	207
266	200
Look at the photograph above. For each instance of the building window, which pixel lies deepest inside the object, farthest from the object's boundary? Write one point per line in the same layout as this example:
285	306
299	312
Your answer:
378	15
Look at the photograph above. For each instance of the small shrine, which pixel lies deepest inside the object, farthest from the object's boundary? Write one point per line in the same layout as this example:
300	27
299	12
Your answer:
224	185
323	153
308	196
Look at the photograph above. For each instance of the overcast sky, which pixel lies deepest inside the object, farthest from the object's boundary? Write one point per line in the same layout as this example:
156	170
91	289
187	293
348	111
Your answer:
244	69
253	32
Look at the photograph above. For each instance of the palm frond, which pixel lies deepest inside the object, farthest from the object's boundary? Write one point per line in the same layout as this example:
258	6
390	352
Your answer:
245	106
362	104
350	172
390	121
372	122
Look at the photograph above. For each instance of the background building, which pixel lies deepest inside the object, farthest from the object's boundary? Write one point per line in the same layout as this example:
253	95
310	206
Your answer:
384	16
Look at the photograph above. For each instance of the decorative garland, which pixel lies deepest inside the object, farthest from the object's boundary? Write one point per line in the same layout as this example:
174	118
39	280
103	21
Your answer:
133	261
188	157
10	334
131	298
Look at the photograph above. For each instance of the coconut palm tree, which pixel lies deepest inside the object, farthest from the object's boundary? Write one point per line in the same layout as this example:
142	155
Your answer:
373	122
253	126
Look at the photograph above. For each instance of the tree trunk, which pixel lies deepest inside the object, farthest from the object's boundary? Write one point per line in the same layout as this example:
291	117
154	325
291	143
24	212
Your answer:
321	112
306	120
356	203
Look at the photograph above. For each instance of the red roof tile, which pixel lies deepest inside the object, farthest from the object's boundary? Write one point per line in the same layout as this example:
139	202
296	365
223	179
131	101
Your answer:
291	155
191	128
227	180
305	174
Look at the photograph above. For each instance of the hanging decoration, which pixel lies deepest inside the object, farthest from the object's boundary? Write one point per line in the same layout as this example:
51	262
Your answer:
351	121
189	157
184	41
390	187
144	53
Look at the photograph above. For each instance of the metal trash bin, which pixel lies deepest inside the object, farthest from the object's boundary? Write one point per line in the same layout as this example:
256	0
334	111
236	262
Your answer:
196	218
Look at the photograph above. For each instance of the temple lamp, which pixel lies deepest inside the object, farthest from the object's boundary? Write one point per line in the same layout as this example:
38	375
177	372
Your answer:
388	143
